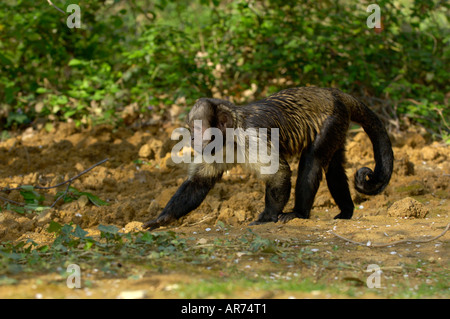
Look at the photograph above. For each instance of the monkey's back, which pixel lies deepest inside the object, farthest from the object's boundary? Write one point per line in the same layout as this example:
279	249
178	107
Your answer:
298	113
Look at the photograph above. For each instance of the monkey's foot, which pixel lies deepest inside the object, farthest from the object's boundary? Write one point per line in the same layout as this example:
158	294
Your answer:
343	215
265	217
285	217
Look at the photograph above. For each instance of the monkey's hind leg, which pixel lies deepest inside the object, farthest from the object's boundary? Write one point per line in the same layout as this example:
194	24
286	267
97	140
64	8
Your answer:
278	190
308	180
338	185
313	160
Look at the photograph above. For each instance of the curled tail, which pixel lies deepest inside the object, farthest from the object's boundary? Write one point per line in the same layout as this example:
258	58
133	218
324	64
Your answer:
367	181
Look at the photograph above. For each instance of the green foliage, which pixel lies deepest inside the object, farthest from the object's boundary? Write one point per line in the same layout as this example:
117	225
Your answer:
72	243
34	201
74	194
256	243
152	53
217	268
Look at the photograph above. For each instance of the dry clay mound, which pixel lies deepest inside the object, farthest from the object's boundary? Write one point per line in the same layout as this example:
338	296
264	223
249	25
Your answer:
140	177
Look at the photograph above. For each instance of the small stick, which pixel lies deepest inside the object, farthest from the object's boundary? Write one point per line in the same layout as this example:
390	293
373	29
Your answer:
393	243
51	3
63	195
62	183
75	177
11	201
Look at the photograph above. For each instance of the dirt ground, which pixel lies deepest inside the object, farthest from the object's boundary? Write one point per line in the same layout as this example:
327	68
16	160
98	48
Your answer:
140	177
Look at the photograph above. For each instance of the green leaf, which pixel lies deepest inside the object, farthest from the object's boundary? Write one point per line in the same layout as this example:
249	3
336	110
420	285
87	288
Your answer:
5	60
66	229
79	232
54	227
36	207
95	200
307	68
76	62
111	229
71	195
44	248
28	188
15	208
31	197
88	245
42	90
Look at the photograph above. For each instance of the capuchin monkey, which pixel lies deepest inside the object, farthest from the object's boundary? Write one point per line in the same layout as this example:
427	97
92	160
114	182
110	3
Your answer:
312	122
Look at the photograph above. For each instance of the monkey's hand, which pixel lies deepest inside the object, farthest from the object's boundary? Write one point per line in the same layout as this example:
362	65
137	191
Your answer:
162	220
151	224
187	198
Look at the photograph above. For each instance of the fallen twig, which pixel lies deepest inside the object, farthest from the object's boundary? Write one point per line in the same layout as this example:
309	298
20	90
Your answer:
63	195
370	244
11	201
68	182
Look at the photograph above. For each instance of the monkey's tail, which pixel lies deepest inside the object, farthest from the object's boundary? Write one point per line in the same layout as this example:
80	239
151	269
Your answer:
367	181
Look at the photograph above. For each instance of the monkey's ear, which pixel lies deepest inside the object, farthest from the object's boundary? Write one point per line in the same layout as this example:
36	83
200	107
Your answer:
224	118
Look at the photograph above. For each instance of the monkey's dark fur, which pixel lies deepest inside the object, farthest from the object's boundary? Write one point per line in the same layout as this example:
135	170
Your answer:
312	122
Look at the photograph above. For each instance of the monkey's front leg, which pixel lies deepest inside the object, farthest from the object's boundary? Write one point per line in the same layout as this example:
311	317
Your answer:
278	190
187	198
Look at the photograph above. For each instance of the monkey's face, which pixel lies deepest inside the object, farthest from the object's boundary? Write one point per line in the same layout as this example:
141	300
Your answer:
207	119
199	140
199	120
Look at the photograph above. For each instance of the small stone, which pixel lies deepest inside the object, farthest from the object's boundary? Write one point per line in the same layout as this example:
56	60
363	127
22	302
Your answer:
82	201
145	151
134	294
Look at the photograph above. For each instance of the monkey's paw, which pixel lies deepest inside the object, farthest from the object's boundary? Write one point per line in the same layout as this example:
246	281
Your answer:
158	222
343	215
151	224
264	218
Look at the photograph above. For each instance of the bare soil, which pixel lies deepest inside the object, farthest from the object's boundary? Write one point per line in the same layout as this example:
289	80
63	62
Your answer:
139	178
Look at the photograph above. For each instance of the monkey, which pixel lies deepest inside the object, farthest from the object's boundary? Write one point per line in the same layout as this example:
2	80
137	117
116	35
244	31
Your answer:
312	123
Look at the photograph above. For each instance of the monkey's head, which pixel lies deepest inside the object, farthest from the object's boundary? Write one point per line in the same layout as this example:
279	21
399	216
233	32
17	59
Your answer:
210	113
